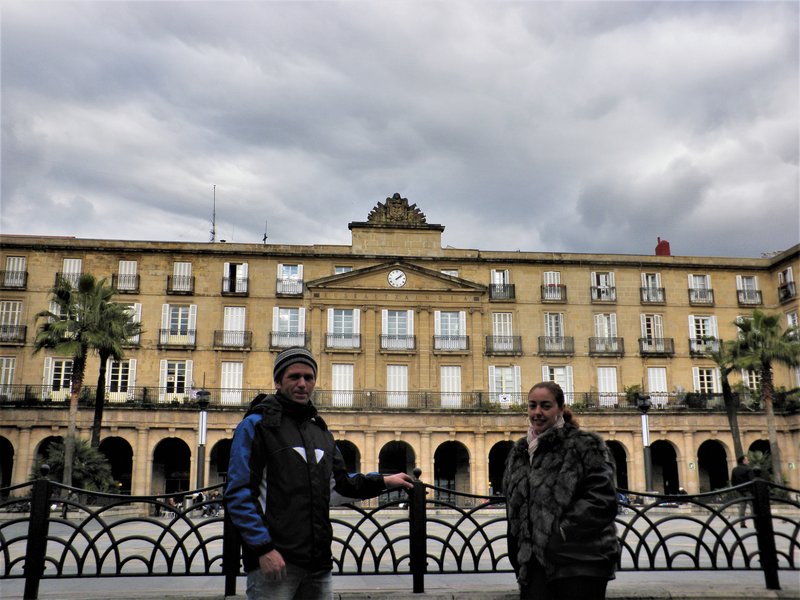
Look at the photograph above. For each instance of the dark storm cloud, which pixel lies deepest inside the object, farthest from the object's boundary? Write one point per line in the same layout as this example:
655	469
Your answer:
535	126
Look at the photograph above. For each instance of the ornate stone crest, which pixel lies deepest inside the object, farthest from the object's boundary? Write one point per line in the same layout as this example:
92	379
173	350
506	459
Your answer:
396	210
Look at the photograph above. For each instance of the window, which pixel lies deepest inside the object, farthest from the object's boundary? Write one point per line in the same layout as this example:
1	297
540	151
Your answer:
71	270
127	279
10	315
288	327
450	382
552	290
234	278
700	291
231	377
501	287
703	333
396	386
343	327
657	386
178	324
57	377
175	380
605	331
652	329
233	325
449	272
290	279
706	380
563	377
135	312
791	319
504	384
182	280
786	287
342	385
502	332
397	329
7	364
15	275
751	379
747	291
607	386
603	289
338	270
121	380
554	340
450	330
651	288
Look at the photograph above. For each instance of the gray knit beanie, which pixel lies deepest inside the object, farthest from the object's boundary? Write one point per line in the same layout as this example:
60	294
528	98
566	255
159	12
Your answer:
291	356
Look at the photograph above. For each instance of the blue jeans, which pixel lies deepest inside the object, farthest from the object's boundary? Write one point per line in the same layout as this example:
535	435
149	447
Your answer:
299	584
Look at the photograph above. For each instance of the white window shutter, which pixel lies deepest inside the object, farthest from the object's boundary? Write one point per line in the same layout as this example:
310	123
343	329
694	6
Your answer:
599	325
300	272
226	269
644	280
189	380
517	379
739	284
612	321
492	386
301	320
713	326
131	377
410	323
462	323
47	376
384	321
611	278
109	362
193	316
437	322
165	316
643	324
692	331
356	321
658	326
162	380
691	280
280	270
276	318
330	320
545	373
137	312
696	378
717	380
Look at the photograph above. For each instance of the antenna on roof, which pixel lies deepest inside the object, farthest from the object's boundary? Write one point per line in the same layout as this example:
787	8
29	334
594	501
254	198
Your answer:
214	217
264	239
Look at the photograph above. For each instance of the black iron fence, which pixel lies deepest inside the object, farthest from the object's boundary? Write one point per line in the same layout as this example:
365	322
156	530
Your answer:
49	531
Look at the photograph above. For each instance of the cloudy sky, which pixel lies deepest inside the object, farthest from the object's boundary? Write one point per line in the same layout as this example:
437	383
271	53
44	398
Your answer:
534	126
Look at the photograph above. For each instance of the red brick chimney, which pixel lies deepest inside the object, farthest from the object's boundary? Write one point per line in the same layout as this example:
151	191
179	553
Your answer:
662	248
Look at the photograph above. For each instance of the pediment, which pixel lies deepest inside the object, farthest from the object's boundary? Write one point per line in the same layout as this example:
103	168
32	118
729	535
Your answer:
375	278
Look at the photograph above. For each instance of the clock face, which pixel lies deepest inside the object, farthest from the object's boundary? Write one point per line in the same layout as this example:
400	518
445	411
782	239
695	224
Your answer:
397	278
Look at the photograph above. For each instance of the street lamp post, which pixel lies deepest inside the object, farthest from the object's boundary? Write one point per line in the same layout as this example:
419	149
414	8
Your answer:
643	404
202	403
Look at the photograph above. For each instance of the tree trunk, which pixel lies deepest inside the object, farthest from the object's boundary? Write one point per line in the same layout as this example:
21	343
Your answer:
78	367
732	410
772	430
99	401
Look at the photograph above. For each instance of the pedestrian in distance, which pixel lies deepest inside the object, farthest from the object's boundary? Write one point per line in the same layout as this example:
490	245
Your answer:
284	468
561	504
742	473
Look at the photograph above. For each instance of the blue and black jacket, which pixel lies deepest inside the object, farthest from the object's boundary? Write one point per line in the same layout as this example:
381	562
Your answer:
283	466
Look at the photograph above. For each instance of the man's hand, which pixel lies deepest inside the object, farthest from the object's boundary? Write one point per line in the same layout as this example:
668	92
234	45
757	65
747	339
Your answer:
273	565
398	480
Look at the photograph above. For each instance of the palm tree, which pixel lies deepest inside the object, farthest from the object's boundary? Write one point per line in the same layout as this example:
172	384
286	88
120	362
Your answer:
722	355
73	329
117	328
761	343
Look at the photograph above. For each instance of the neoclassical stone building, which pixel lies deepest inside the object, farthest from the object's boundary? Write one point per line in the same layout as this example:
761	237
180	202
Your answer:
426	353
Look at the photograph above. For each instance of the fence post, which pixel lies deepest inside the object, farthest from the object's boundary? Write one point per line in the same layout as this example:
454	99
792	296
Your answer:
38	526
765	534
418	534
231	550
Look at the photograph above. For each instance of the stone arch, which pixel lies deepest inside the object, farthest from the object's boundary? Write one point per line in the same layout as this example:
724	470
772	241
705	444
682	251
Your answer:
763	447
451	470
351	455
665	467
396	457
712	466
120	456
44	445
620	457
218	462
497	465
171	466
6	462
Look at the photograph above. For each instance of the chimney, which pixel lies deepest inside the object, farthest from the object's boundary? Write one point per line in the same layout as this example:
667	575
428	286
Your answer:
662	248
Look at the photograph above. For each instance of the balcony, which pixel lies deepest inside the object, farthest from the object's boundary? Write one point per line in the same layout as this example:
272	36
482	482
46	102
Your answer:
180	285
71	278
13	280
289	287
398	343
343	341
554	292
652	295
125	284
656	346
450	343
235	286
502	292
13	334
606	346
287	339
604	294
177	338
556	346
503	345
233	340
703	346
787	291
749	297
701	296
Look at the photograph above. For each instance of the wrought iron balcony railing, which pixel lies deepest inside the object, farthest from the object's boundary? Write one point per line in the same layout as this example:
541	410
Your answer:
554	292
701	296
749	297
606	346
125	284
71	278
177	338
13	334
289	287
13	280
652	295
235	286
398	342
233	340
503	344
555	345
656	346
286	339
604	294
450	343
180	284
703	346
343	341
502	291
787	291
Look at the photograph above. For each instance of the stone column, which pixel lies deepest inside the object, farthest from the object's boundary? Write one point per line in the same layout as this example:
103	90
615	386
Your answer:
370	458
142	464
690	477
24	462
425	461
480	468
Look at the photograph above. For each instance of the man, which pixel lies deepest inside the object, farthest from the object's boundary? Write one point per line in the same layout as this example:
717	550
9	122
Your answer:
283	467
742	473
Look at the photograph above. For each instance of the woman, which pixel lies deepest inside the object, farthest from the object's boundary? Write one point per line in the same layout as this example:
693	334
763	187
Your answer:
559	484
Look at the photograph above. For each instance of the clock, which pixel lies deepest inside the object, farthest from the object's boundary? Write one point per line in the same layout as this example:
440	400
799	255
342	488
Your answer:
396	278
